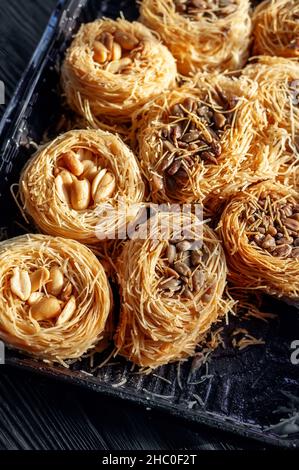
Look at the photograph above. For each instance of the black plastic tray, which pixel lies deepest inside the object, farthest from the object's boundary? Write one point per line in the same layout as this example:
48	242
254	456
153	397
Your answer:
246	392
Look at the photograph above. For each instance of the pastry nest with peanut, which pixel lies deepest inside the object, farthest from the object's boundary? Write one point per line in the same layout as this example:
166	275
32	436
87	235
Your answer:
113	67
70	185
55	297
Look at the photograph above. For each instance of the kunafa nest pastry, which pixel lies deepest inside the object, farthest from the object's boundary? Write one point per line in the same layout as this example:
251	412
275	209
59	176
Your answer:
276	28
201	34
55	297
288	156
278	91
278	97
195	143
113	67
70	183
260	233
172	290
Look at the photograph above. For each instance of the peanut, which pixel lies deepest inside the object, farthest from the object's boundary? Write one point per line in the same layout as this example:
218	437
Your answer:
35	297
38	278
68	311
84	154
100	53
20	284
96	181
62	183
80	194
46	308
126	40
105	188
56	281
119	65
90	170
107	40
71	162
116	52
67	178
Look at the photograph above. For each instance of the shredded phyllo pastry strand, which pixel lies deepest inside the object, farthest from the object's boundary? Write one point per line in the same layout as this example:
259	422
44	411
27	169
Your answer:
202	35
260	233
113	67
55	297
276	28
172	291
68	184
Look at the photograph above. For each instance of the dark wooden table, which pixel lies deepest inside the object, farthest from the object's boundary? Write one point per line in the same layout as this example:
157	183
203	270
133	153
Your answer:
36	413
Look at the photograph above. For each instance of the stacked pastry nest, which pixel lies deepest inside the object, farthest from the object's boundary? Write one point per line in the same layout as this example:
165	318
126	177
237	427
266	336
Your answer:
218	135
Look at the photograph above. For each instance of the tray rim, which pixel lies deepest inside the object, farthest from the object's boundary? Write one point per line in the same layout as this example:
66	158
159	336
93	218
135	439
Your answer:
202	418
15	107
36	59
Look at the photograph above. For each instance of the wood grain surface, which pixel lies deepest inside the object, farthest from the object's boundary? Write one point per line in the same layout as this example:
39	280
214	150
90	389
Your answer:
36	413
